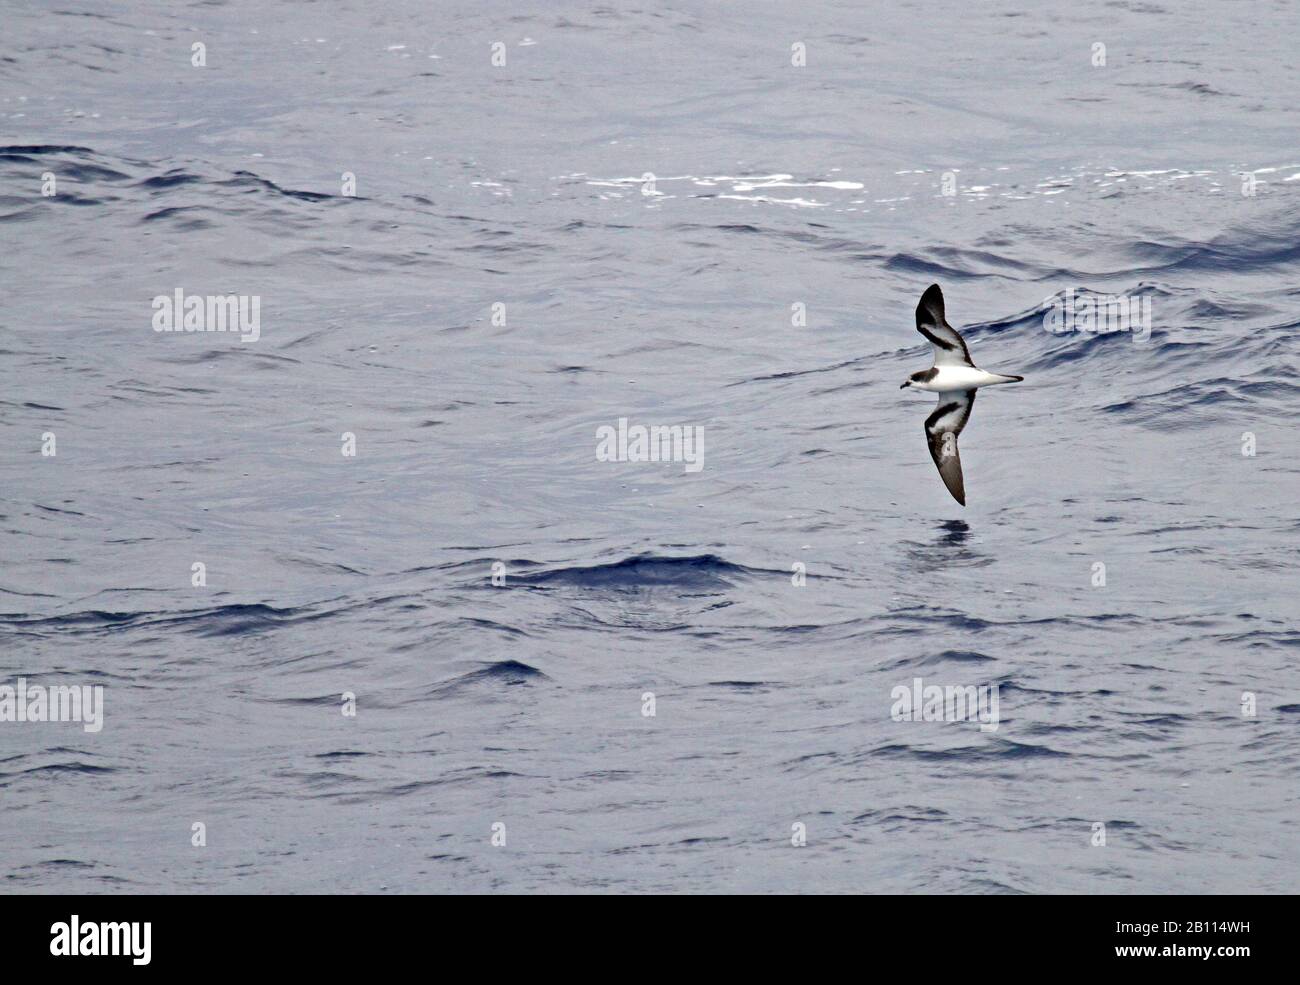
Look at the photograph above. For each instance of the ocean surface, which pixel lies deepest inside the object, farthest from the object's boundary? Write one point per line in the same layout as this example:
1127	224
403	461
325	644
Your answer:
479	232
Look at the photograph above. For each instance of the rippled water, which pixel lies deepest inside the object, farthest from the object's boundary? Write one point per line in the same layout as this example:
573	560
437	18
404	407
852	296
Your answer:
671	301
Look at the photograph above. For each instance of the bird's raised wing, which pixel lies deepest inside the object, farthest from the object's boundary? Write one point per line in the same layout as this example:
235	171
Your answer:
949	347
941	430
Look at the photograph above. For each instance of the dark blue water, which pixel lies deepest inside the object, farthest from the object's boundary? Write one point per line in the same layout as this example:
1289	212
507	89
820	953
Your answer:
666	302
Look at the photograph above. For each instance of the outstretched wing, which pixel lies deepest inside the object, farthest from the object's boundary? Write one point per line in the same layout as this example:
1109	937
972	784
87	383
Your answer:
949	347
941	430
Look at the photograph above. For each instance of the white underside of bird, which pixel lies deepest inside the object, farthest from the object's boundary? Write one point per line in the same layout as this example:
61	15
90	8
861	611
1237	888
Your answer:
951	378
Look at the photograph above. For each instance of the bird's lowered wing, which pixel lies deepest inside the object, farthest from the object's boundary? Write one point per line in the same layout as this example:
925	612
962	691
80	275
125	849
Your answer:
941	431
949	347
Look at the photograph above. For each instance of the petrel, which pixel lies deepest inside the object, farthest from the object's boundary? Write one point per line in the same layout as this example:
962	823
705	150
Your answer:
955	379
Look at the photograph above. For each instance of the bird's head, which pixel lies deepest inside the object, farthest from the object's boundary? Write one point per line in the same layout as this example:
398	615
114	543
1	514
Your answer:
913	378
921	376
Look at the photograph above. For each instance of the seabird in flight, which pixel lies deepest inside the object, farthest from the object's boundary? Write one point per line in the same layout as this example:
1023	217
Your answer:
955	379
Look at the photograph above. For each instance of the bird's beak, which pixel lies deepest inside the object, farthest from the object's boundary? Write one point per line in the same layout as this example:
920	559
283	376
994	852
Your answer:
906	384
